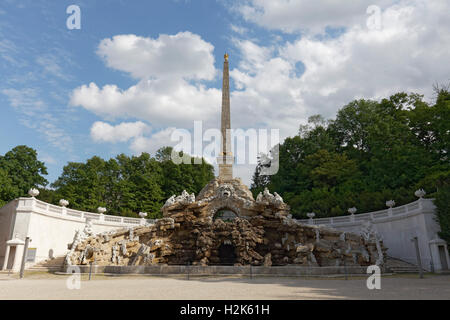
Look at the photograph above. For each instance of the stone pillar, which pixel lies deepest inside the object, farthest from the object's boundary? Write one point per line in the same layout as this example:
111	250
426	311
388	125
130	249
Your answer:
5	260
225	159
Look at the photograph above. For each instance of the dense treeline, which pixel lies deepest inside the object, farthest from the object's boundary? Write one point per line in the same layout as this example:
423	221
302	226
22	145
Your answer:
124	185
372	152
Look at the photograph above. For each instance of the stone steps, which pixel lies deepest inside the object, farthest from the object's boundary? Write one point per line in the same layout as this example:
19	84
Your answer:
395	265
50	265
6	272
45	269
404	270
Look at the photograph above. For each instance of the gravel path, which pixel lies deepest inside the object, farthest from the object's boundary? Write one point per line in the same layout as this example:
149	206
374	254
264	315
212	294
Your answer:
140	287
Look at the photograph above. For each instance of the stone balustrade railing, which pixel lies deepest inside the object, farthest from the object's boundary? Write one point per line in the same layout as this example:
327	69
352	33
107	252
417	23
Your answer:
38	206
47	208
396	212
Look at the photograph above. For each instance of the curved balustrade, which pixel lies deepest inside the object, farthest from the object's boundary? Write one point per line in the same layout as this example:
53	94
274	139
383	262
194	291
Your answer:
38	206
46	208
407	209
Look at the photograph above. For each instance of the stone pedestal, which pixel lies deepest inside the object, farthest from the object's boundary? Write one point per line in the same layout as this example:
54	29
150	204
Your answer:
225	167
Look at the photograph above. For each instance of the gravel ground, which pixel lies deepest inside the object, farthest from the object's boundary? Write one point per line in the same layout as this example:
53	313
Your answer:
46	286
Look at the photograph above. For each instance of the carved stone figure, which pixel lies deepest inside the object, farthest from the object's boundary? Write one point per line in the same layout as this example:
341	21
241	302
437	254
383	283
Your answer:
170	201
87	231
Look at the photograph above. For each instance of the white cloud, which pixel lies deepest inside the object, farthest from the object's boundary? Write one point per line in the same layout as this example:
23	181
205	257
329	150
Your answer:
164	95
154	142
160	102
306	15
35	114
269	91
50	66
407	54
104	132
238	29
47	159
25	100
184	55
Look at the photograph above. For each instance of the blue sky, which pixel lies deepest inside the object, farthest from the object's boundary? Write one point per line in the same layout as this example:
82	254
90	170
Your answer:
138	69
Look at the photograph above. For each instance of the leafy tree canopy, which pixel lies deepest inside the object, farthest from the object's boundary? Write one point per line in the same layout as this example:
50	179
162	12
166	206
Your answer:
20	170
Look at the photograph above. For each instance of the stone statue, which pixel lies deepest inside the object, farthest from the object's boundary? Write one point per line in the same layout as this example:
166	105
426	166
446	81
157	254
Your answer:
369	234
184	199
259	198
267	198
170	201
87	231
114	256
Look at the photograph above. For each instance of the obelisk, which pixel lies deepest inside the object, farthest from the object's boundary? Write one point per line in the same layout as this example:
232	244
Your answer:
225	159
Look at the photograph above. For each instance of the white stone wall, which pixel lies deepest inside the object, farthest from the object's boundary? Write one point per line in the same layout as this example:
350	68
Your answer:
6	225
51	228
397	226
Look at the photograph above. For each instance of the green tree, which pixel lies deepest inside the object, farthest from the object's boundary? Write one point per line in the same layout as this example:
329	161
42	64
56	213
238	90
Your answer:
20	170
7	190
443	205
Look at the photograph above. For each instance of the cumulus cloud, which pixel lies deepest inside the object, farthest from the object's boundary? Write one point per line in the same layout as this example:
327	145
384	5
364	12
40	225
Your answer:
151	144
104	132
408	53
184	55
268	94
160	102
